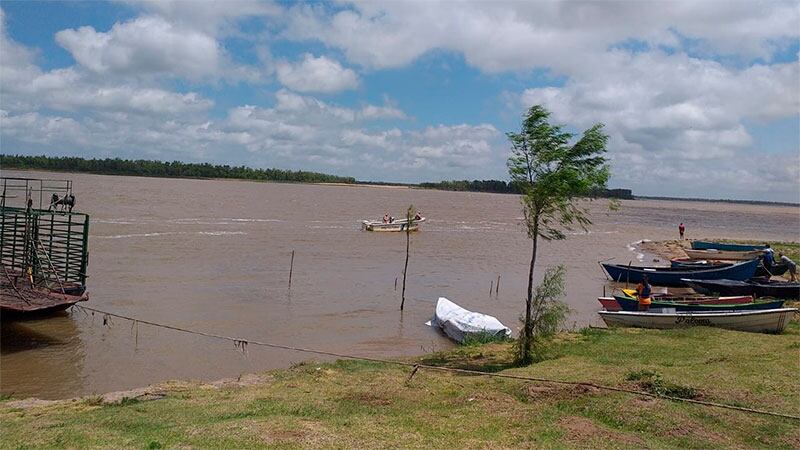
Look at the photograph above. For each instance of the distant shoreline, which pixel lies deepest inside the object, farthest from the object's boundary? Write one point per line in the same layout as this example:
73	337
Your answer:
350	182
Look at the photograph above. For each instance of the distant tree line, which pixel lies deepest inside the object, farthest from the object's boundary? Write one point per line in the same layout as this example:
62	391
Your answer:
503	187
149	168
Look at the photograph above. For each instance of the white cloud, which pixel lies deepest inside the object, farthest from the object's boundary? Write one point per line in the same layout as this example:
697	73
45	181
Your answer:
314	74
143	46
214	17
680	120
564	36
381	112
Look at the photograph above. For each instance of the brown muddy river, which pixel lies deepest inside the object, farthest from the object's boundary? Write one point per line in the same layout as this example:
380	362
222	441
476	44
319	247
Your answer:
214	256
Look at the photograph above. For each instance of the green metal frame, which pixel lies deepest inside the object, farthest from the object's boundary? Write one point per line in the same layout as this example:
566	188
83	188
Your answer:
63	237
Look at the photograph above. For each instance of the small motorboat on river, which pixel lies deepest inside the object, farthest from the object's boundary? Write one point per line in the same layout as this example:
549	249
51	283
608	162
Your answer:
762	321
458	323
397	225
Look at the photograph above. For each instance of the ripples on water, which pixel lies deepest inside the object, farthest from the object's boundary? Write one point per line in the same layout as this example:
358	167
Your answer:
221	265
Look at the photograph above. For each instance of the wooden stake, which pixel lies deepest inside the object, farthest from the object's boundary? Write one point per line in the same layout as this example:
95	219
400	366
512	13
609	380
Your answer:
491	287
395	283
497	286
291	269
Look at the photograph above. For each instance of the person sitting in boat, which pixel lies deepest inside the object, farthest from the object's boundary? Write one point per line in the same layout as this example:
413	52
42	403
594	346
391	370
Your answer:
418	216
386	218
792	266
391	219
643	291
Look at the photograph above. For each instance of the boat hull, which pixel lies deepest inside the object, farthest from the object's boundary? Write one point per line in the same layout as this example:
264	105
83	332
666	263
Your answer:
459	323
706	245
667	276
727	255
632	304
783	290
761	321
761	271
397	226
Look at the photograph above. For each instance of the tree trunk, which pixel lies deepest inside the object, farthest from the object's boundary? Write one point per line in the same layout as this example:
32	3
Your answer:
405	268
527	337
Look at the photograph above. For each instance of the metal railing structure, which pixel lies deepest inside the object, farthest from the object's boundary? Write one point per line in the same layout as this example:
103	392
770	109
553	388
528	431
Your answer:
40	235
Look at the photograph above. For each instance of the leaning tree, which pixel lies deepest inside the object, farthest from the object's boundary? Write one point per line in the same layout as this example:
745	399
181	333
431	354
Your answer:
552	171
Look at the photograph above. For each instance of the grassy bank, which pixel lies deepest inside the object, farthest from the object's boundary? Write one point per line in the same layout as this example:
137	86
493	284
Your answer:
356	404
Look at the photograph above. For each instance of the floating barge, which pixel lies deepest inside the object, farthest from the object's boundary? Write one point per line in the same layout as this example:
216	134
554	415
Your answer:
43	247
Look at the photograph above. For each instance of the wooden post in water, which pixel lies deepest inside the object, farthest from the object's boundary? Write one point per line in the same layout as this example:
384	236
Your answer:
395	283
409	223
491	287
497	286
291	269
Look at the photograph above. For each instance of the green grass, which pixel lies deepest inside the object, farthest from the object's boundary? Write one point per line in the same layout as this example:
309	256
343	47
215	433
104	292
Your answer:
352	404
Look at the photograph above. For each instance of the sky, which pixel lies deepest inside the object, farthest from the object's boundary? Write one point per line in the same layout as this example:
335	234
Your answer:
699	99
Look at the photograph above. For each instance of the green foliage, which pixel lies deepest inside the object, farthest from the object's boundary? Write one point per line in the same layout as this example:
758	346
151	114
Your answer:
548	317
652	382
146	168
550	172
476	339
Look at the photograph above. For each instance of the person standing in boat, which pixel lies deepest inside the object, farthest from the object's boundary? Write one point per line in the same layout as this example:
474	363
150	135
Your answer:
643	292
386	218
769	257
792	266
681	229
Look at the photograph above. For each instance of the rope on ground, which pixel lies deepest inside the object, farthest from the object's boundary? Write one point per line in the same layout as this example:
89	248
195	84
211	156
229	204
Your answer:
241	343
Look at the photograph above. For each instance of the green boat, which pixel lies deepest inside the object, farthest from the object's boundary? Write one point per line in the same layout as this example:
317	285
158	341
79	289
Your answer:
631	304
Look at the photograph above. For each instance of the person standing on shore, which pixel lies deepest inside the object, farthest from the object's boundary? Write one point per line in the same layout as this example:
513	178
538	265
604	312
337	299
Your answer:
643	291
681	229
791	265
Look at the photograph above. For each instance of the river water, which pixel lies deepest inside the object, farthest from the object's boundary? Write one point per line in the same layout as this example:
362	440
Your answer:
214	256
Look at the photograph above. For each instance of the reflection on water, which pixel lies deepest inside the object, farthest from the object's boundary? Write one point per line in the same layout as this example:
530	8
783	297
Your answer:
214	256
42	357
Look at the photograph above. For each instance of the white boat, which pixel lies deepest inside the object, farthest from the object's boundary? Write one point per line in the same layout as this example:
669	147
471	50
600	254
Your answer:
727	255
458	322
397	225
763	321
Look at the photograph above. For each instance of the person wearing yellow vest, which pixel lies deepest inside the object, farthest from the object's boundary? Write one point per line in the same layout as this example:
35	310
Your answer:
643	291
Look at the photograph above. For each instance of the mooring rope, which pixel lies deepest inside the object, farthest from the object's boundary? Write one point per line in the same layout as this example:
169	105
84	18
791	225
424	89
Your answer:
242	343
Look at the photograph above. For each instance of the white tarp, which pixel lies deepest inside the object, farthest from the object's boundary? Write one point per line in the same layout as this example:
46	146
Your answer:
458	322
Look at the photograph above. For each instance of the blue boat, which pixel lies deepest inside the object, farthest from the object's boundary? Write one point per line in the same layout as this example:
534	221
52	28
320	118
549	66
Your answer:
671	276
706	245
631	304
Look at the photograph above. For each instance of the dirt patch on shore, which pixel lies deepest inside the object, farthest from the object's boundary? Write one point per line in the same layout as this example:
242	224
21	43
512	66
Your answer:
584	432
666	249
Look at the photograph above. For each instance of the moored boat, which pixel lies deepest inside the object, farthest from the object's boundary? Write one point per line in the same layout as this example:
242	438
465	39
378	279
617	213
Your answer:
632	304
728	255
458	323
761	270
757	288
397	225
19	299
694	299
609	303
763	321
669	276
706	245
